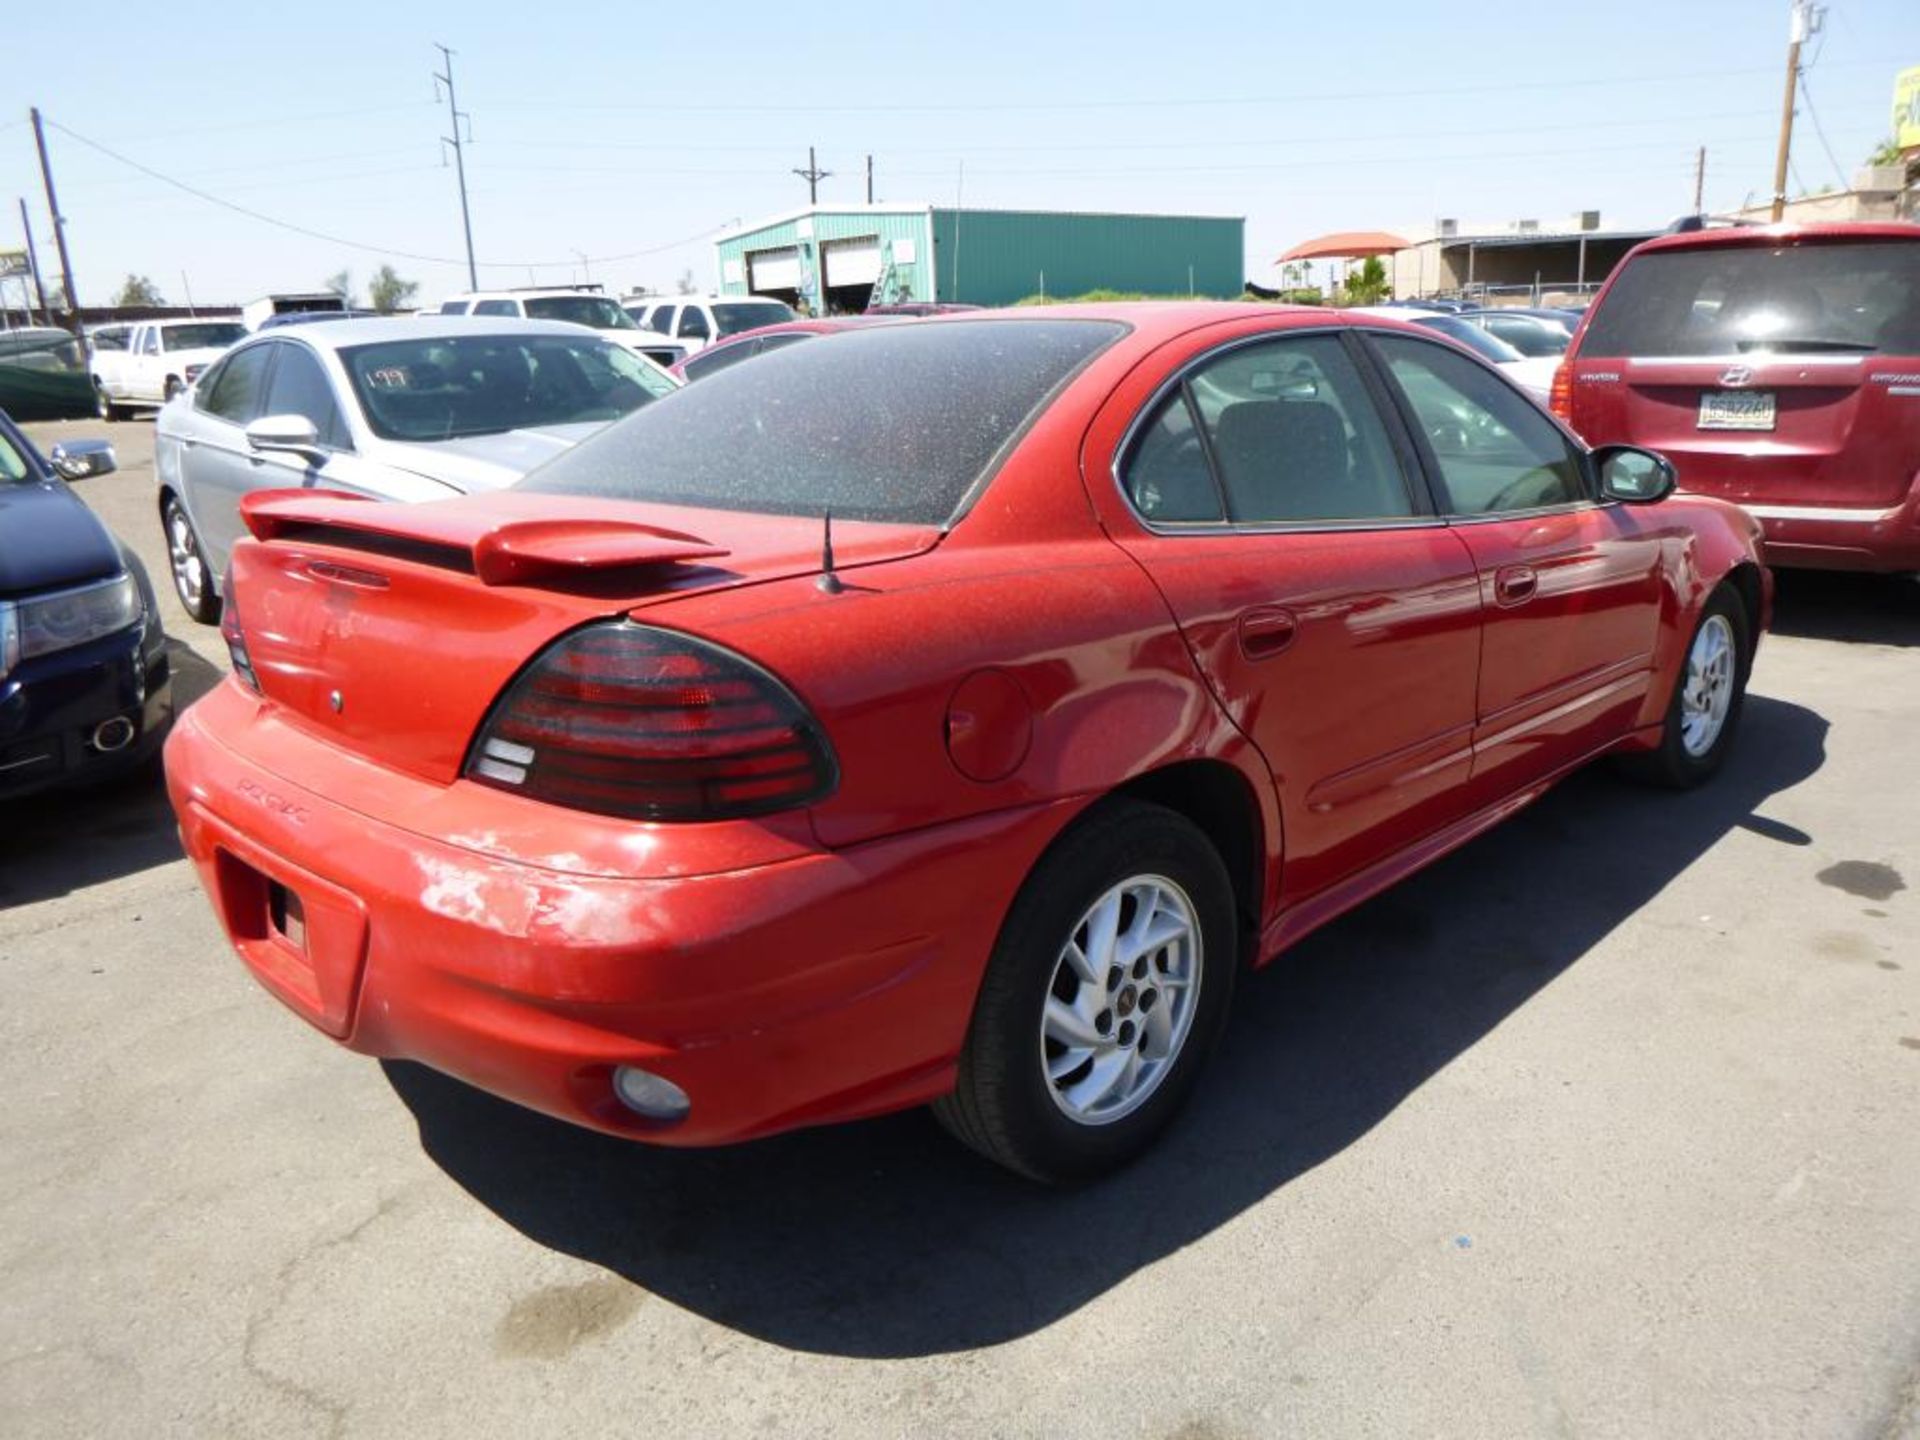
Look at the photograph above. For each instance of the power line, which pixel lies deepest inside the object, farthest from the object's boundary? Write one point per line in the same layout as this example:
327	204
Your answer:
1820	131
388	251
1149	102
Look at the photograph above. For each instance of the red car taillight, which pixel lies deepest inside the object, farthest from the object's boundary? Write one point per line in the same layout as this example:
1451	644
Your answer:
623	719
1560	397
235	637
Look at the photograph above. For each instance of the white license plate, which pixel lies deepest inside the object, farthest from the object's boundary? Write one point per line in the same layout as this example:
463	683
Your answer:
1736	410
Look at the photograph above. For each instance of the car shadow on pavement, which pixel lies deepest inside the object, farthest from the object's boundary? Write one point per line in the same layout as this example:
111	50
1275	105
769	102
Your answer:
886	1239
57	842
1857	609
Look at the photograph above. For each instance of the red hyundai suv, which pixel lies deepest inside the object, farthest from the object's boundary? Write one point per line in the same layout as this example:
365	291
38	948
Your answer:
1777	367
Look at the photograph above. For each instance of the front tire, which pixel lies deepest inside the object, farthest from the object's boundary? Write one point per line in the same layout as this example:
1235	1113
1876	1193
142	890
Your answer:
192	579
1707	699
1107	989
104	406
172	388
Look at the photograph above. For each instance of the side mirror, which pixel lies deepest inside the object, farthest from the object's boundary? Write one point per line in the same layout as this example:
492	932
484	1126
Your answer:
77	459
1637	477
291	434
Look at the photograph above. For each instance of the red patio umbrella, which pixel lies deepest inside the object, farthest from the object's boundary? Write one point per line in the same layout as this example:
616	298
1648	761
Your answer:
1345	245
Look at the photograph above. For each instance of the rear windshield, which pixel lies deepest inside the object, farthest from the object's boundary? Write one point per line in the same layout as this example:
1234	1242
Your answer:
589	310
443	387
1851	298
733	317
893	423
201	337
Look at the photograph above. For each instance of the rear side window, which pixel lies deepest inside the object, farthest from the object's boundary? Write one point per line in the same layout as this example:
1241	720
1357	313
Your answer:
237	390
720	357
1292	436
1849	298
693	323
453	307
897	423
497	307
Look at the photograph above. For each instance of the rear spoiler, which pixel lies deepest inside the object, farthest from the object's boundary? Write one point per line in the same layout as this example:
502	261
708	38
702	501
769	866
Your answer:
505	539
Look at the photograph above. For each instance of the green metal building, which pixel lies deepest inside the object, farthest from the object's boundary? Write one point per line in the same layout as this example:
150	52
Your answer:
840	259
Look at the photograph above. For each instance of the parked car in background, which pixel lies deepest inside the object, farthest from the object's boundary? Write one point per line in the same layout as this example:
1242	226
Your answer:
151	362
702	818
699	321
1533	373
1536	334
1779	367
406	409
575	306
43	374
921	307
310	317
86	693
723	354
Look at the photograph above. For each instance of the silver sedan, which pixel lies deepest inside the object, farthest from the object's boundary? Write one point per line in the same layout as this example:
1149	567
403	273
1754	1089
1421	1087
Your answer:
400	409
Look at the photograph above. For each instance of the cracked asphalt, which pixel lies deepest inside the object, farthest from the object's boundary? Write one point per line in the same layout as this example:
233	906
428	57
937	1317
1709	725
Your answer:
1604	1126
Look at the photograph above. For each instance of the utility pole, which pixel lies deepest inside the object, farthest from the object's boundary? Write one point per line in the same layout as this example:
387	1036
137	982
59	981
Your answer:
33	264
59	223
1700	182
1803	22
869	179
813	175
454	116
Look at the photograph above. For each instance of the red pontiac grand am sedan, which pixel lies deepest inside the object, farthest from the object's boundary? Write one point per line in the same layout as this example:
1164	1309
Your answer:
939	713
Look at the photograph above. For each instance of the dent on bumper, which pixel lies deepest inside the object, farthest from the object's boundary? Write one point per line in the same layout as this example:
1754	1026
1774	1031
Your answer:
822	987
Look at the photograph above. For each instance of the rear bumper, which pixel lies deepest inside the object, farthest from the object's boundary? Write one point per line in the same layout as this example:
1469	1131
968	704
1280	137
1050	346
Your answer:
52	708
819	987
1813	537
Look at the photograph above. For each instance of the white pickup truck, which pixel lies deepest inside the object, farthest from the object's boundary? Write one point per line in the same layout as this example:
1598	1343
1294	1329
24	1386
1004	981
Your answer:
150	362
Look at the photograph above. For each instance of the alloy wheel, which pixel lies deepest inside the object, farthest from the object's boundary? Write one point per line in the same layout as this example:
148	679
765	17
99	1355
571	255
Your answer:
1706	693
1121	1000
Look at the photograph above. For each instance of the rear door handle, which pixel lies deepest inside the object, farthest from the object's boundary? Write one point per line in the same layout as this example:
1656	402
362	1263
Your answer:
1515	584
1267	631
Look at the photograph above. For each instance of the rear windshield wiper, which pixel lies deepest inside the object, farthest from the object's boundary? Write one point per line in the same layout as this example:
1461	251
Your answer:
1805	342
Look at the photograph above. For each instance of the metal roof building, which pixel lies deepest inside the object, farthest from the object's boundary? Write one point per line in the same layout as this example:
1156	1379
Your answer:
840	259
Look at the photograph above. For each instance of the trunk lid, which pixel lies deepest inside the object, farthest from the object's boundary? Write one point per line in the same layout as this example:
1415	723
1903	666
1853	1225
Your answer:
490	462
1772	370
340	596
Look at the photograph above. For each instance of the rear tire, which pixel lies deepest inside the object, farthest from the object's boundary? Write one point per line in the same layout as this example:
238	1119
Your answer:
104	406
192	579
1107	988
172	388
1707	699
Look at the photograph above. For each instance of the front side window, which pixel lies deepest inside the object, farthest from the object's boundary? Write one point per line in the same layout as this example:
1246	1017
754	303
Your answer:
1494	450
212	336
149	342
13	465
720	357
1291	435
446	387
239	385
300	387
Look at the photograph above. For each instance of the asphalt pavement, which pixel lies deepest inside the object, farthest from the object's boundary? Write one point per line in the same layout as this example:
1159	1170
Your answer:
1604	1126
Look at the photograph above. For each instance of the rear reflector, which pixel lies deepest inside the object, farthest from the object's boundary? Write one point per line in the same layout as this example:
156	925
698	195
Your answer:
647	724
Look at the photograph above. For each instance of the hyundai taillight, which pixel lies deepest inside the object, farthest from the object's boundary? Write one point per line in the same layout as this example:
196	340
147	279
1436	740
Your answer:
624	719
1560	398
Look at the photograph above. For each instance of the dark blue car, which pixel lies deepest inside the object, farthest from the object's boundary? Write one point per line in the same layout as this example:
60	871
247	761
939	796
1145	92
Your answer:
85	690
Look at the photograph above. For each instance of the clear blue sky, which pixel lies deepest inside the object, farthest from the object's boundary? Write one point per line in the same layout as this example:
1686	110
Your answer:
605	129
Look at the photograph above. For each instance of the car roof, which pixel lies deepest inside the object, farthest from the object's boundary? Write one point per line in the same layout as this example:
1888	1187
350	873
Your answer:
337	334
1784	234
523	292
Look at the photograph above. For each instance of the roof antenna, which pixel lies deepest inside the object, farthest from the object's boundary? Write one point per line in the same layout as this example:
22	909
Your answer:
828	581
